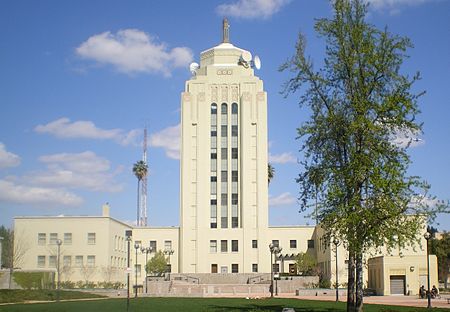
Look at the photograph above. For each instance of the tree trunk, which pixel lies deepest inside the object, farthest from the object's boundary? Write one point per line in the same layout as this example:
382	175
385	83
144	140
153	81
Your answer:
351	283
359	283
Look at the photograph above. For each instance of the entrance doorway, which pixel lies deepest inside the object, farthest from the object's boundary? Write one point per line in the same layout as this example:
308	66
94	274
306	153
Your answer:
397	283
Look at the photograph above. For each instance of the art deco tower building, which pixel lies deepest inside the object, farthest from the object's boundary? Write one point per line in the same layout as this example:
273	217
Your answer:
224	200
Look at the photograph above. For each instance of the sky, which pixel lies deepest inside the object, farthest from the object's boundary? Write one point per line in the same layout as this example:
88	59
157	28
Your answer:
80	80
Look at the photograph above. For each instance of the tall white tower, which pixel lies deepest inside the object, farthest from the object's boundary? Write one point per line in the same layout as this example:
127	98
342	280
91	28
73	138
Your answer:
224	200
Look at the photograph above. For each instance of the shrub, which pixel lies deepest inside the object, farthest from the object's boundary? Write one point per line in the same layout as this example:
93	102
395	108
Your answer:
67	285
34	280
324	283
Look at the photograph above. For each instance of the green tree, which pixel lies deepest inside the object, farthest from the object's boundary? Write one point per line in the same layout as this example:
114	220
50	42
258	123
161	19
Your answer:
359	102
140	170
157	264
305	263
440	246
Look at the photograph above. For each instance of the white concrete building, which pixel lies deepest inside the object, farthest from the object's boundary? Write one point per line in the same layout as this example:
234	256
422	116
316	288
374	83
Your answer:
224	224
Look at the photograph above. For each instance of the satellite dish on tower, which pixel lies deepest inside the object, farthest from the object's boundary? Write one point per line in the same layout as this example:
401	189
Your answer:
246	56
193	68
256	62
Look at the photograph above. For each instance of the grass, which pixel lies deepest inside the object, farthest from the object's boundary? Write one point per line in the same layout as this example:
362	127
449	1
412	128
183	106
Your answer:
21	295
198	305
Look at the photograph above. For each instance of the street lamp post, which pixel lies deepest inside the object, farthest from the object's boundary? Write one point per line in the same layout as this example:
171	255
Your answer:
128	234
169	252
146	251
58	244
336	243
427	236
273	250
136	246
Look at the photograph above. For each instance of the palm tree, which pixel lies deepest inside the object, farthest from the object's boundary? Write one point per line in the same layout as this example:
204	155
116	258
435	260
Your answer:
140	171
270	172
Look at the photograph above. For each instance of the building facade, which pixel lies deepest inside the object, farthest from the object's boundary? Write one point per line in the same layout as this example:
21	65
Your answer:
224	224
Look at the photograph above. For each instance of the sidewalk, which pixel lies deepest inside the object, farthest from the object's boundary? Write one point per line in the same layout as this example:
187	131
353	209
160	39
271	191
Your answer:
409	301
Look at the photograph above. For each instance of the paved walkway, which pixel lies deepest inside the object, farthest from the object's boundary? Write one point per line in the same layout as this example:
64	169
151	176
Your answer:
410	301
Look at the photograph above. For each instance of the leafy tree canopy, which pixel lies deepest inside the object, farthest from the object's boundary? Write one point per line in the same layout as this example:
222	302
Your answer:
157	264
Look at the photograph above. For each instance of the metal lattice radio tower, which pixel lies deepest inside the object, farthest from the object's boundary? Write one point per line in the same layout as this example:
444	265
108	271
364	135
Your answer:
143	197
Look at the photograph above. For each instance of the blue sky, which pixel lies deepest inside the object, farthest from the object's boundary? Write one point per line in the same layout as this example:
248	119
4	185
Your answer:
79	81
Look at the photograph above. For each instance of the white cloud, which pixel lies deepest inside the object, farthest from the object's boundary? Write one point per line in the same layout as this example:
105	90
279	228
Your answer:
282	158
83	170
8	159
393	6
134	51
23	194
283	199
64	128
169	140
251	8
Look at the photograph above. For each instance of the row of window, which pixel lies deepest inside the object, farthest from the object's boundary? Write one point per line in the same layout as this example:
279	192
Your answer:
67	238
78	261
223	246
235	245
153	245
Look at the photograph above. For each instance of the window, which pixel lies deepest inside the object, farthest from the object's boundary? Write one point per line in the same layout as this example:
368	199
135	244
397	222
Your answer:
213	109
52	261
67	238
223	131
224	246
213	155
213	246
234	131
153	246
224	109
234	176
255	267
213	185
42	238
214	268
234	153
224	176
293	243
234	268
213	220
78	261
310	243
223	153
90	261
234	108
276	243
254	243
91	238
224	199
167	245
41	261
234	246
276	267
234	199
53	238
67	261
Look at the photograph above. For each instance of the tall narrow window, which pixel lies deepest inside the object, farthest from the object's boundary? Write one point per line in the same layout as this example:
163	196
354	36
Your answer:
213	214
91	238
42	238
234	165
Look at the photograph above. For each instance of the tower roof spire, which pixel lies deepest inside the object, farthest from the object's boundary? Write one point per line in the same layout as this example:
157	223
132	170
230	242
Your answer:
225	31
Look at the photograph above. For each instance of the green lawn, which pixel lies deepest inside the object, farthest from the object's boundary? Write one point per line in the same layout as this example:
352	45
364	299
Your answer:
198	305
21	295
